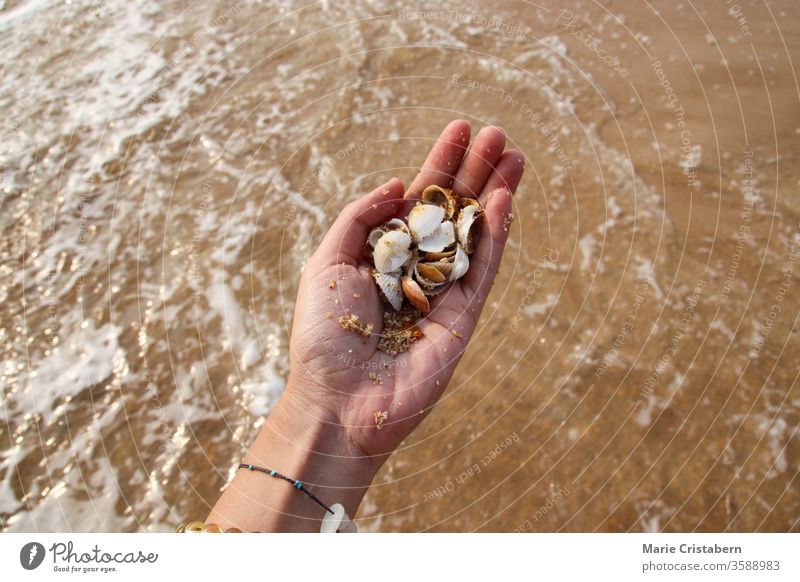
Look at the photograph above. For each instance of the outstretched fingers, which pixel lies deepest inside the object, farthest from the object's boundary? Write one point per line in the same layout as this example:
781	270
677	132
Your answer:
479	162
462	305
444	159
346	238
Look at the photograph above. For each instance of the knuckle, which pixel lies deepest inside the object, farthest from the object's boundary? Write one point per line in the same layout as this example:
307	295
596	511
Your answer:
350	211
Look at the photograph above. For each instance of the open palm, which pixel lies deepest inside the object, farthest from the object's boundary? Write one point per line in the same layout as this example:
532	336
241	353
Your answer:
340	375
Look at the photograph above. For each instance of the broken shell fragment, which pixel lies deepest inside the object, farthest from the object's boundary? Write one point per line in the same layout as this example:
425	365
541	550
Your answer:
390	288
460	264
415	295
392	251
466	219
468	201
424	219
439	239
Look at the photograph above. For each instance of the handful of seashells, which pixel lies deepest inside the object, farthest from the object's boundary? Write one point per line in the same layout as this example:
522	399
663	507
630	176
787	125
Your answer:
421	258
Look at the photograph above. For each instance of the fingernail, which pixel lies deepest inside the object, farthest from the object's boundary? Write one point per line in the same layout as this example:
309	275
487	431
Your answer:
488	127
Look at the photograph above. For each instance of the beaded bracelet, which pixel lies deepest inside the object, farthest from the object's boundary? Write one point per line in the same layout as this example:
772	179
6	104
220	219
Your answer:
335	520
295	483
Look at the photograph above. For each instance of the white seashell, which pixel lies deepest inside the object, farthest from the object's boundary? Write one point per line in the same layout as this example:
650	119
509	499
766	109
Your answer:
392	251
421	258
411	265
424	219
337	520
440	239
393	224
389	284
466	218
460	264
375	235
396	224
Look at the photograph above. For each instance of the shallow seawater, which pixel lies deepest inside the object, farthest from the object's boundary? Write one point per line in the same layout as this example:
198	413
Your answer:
167	169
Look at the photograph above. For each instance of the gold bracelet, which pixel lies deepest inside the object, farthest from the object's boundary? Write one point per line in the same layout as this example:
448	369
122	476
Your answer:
200	527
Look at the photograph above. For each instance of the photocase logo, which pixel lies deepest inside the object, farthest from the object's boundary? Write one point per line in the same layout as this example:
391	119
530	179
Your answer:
31	555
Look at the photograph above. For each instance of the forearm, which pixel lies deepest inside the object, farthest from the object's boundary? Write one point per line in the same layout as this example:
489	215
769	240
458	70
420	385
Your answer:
304	446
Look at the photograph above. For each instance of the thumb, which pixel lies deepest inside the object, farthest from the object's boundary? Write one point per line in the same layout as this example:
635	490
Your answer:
347	236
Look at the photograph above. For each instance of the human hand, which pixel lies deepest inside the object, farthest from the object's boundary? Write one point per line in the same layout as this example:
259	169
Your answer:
342	378
323	431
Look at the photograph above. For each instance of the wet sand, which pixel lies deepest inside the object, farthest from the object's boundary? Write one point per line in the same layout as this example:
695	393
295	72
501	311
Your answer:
166	172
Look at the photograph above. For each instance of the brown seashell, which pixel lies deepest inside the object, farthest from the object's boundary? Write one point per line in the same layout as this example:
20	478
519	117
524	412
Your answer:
396	224
467	201
437	289
444	267
415	295
425	284
439	256
431	273
442	197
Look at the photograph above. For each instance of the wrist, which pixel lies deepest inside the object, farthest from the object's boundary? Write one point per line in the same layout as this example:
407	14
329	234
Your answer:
306	442
319	444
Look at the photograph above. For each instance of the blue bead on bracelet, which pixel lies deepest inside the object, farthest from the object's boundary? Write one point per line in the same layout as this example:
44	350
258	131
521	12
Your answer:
295	483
